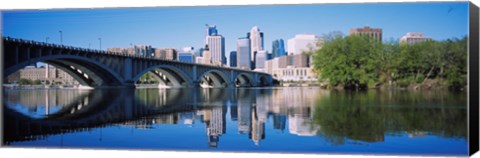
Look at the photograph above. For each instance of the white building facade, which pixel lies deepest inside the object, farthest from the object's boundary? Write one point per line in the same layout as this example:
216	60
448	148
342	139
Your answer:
256	41
216	44
414	37
303	43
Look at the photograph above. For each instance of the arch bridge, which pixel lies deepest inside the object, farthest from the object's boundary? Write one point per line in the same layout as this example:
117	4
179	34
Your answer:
98	68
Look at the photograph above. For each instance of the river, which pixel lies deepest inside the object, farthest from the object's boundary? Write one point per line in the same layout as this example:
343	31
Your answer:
275	119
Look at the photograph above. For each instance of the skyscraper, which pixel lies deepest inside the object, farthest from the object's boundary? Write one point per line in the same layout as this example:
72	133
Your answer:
256	42
260	59
243	53
216	43
278	48
233	59
303	42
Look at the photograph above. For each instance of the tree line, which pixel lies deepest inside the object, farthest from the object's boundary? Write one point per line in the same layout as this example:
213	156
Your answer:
361	62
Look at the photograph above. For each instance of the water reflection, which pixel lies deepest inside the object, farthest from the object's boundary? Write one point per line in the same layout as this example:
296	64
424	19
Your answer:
40	103
369	116
335	117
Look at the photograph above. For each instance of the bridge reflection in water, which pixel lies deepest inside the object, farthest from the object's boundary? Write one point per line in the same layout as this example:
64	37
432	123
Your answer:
338	118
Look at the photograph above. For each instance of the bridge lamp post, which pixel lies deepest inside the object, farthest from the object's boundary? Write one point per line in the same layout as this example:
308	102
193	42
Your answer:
61	36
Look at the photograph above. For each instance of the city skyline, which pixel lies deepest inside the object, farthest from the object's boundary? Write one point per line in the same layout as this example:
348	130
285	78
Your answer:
116	26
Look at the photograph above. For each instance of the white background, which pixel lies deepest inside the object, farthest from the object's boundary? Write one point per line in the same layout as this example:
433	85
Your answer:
81	153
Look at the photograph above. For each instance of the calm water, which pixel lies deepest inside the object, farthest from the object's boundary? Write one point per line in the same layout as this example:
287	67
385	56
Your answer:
294	120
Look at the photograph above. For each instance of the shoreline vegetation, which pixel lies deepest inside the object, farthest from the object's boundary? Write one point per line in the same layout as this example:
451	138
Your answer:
360	63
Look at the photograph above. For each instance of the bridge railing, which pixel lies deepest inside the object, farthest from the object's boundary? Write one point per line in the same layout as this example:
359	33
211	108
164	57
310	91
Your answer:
61	46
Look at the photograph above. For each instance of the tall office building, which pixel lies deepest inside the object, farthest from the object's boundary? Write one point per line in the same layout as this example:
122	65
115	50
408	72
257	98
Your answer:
303	43
216	43
243	53
210	30
278	48
233	59
414	37
256	42
260	59
217	49
375	33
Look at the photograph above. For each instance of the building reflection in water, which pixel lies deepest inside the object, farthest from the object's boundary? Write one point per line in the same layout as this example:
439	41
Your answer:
214	118
146	108
295	108
40	103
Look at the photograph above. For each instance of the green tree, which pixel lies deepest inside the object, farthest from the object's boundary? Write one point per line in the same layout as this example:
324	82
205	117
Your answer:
360	62
455	57
351	62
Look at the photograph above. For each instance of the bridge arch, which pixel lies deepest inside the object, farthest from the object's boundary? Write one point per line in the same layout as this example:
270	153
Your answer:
215	77
263	80
176	76
243	80
85	70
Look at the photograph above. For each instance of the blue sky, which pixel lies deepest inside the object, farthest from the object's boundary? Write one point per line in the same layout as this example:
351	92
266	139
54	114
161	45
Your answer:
178	27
